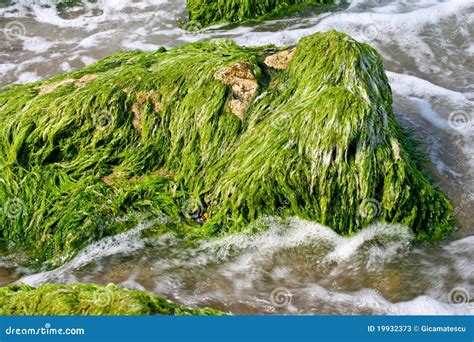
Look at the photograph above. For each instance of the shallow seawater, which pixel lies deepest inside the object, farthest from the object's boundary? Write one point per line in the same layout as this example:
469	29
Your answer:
296	267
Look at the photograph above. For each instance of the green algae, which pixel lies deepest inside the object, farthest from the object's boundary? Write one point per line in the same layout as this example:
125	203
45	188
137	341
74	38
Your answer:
156	134
209	12
89	300
62	5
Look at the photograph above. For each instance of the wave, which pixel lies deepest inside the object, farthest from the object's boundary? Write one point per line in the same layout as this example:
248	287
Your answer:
322	272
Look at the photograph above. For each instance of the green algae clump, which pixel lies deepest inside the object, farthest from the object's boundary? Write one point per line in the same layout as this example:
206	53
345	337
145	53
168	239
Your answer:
209	12
88	300
210	137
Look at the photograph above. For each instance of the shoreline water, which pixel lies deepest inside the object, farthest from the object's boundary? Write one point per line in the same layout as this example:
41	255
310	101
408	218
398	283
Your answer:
430	82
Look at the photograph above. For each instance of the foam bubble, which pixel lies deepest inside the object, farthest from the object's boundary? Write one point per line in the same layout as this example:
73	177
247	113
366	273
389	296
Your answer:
411	86
240	271
372	301
110	246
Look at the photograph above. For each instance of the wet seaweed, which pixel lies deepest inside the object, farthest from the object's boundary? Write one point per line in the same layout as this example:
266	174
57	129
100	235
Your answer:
89	300
209	12
158	133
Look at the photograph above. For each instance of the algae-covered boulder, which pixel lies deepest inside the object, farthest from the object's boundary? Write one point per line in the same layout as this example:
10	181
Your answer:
90	300
207	138
208	12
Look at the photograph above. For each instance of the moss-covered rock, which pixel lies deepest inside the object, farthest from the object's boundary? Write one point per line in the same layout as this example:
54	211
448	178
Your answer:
90	300
208	12
210	136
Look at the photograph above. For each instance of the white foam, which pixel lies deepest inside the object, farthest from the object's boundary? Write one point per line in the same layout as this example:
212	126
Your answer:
423	95
411	86
96	39
371	300
131	44
6	67
429	114
120	244
395	26
37	44
306	233
110	11
28	76
239	260
88	60
461	253
347	247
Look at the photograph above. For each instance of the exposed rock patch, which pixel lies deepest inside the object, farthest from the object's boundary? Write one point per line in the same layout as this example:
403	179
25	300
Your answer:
84	80
48	88
244	86
107	180
139	107
280	60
